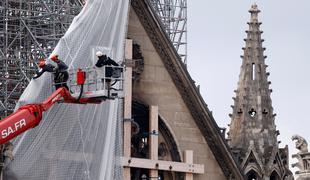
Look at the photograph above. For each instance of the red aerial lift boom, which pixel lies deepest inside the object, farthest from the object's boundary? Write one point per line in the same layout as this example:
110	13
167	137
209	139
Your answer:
30	115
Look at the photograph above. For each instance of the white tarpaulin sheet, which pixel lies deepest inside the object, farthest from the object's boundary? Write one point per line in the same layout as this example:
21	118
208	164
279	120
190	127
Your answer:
76	141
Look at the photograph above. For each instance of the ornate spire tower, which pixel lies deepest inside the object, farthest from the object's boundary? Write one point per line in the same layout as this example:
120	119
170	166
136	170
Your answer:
253	135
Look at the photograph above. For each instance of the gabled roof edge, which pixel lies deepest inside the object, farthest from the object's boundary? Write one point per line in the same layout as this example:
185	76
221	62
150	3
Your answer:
187	88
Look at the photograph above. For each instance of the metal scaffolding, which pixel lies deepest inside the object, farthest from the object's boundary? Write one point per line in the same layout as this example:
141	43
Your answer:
173	14
29	30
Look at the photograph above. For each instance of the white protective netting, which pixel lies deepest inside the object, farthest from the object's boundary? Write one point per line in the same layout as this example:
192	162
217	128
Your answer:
76	141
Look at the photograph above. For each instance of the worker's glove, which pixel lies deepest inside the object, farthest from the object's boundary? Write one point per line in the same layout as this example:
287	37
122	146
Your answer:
35	76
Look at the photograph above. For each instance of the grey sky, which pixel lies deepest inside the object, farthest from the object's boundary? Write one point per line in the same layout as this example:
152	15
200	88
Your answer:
216	30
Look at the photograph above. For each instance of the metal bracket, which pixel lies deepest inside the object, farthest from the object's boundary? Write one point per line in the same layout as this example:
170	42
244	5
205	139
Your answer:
152	133
129	63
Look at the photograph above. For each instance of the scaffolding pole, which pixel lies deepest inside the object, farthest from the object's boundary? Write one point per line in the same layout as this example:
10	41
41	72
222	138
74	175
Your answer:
173	15
29	30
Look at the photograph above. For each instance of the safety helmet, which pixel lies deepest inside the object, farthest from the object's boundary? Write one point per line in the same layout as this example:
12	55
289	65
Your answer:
54	57
99	53
41	63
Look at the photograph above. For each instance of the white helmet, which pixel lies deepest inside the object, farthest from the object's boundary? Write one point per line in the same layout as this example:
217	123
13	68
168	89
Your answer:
99	53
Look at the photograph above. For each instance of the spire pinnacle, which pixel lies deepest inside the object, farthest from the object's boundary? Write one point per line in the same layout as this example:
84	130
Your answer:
254	13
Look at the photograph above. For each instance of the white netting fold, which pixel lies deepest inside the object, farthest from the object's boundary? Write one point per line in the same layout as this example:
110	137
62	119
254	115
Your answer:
76	141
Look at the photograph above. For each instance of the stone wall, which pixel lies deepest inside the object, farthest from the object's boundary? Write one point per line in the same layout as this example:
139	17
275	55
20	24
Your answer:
156	87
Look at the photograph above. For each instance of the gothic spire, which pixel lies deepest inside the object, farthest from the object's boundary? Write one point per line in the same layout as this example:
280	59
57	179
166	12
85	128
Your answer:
253	103
253	135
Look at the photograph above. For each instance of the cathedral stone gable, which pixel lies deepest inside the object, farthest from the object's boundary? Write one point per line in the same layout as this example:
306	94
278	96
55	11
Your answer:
166	83
155	87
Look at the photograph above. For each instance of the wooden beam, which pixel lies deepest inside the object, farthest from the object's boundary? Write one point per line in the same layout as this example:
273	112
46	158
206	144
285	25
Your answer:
127	108
163	165
153	138
188	157
128	49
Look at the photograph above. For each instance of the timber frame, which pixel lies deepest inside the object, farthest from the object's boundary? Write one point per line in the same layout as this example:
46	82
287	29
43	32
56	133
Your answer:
190	94
152	164
165	132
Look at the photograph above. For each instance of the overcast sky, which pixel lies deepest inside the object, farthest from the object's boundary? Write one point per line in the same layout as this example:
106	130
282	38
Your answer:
216	30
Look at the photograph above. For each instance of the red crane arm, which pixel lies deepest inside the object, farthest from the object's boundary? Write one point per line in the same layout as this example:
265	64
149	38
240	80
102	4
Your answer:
59	94
24	118
30	115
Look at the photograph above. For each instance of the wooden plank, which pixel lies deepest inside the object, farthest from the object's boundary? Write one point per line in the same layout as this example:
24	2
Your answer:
128	49
127	108
127	112
188	158
153	138
163	165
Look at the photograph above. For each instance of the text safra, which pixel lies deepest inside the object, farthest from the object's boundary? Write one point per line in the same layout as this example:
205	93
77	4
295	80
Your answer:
9	130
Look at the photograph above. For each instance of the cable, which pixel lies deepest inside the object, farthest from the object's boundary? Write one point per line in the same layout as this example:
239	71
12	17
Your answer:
81	92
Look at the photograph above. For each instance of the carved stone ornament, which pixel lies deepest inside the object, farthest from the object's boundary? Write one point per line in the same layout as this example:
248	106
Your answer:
300	144
303	157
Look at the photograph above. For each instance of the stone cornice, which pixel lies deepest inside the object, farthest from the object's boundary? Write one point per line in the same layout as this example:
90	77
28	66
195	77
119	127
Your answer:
187	89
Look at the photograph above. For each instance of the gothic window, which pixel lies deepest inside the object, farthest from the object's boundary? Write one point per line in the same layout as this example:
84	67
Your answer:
252	175
167	148
252	112
274	176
